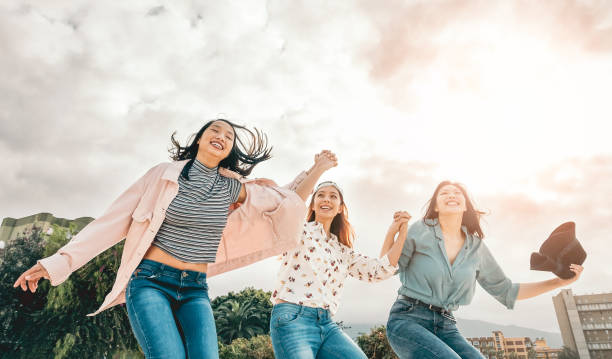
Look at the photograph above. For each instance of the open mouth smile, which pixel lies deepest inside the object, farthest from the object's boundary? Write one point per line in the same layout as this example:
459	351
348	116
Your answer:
217	144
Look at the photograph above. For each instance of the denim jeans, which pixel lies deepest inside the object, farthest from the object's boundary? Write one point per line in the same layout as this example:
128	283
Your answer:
170	312
414	331
300	332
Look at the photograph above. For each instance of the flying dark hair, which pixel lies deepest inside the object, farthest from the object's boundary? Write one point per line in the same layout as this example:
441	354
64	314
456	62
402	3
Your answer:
243	157
340	225
471	216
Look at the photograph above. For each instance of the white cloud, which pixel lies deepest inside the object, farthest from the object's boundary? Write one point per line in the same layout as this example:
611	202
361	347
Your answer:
407	94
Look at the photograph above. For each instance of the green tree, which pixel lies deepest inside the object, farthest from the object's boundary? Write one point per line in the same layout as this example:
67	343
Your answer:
258	347
258	302
375	344
235	319
17	306
53	320
568	353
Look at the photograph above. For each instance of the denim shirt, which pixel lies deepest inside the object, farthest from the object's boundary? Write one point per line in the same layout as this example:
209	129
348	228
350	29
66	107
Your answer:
427	275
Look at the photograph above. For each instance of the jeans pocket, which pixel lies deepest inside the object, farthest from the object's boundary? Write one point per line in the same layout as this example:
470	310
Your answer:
402	306
284	317
144	273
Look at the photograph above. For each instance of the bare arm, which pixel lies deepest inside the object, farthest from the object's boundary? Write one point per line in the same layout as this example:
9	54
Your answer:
323	161
533	289
392	247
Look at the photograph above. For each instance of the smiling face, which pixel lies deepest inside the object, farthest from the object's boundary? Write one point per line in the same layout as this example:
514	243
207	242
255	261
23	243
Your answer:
450	200
326	203
216	141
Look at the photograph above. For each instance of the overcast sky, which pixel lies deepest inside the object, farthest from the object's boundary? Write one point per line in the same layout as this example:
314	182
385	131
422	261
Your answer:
511	98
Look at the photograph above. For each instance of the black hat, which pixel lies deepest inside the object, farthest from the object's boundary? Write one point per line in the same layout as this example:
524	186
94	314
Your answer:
559	251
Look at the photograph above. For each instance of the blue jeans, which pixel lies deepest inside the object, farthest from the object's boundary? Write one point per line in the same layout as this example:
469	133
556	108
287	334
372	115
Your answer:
170	312
300	332
414	331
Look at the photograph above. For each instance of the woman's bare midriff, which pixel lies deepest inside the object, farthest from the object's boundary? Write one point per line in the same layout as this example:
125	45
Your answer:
158	255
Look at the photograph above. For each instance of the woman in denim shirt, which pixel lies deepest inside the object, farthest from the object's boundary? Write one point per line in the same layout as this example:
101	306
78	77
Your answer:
441	261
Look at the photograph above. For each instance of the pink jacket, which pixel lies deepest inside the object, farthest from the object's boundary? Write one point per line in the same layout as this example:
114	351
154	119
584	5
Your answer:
266	224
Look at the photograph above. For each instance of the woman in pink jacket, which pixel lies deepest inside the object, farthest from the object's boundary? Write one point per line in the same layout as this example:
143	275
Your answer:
178	228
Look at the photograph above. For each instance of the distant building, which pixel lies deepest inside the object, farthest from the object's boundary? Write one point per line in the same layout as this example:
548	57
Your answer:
543	351
492	347
12	228
586	323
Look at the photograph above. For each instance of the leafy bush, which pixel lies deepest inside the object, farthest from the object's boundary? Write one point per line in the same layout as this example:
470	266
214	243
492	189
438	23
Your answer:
375	345
258	347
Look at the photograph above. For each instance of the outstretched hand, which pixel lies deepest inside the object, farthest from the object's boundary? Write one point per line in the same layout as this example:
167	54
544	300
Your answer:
325	160
30	278
577	269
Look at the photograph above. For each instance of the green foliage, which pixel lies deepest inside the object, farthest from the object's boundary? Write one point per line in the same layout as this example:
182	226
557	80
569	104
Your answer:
258	347
52	322
17	306
239	320
375	345
242	315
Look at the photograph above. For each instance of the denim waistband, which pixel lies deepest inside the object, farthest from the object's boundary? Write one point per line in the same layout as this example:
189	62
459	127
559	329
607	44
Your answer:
304	311
169	271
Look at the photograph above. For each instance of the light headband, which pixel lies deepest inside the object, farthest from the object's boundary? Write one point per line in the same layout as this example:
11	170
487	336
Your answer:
329	183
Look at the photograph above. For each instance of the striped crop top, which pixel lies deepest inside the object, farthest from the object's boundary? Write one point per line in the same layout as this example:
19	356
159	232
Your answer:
195	219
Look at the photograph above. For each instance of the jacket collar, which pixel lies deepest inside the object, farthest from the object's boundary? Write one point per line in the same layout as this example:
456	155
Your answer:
173	170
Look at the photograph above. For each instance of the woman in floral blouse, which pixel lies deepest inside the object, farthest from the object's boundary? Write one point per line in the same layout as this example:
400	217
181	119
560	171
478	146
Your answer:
311	278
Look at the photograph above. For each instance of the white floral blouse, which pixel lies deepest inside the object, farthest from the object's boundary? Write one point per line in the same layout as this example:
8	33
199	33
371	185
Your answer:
313	273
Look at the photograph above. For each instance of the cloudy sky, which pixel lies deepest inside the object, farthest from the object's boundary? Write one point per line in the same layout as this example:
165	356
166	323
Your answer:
511	98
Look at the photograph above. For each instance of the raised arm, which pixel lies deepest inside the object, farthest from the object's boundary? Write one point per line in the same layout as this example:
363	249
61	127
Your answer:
492	278
533	289
322	162
392	246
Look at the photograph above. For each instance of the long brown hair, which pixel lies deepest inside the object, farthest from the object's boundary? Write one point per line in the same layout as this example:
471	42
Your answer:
340	225
471	216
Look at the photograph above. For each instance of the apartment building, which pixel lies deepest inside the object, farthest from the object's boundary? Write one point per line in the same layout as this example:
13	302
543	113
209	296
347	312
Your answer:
586	323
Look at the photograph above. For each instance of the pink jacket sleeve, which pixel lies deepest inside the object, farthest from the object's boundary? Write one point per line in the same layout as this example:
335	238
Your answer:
292	186
97	236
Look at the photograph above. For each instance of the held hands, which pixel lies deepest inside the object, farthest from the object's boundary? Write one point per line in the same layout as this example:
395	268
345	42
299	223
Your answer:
325	160
400	221
30	278
577	269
